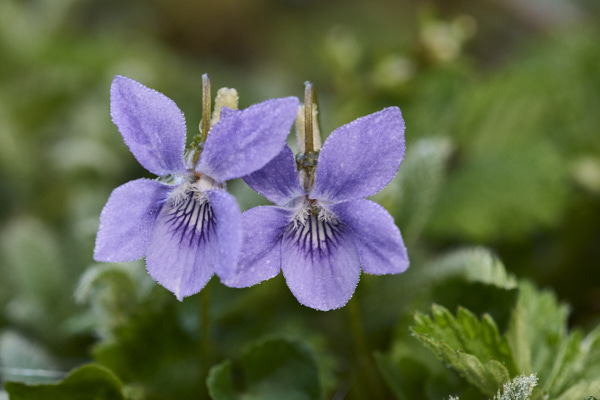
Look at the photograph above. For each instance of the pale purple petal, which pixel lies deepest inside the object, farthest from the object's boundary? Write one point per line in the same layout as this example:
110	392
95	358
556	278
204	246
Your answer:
245	141
278	180
228	228
320	264
152	125
184	247
377	237
127	219
260	258
360	158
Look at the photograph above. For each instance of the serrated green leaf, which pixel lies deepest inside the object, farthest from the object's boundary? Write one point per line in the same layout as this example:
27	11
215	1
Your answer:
581	389
577	367
568	365
536	330
455	293
473	347
89	382
411	371
273	369
486	377
591	347
518	336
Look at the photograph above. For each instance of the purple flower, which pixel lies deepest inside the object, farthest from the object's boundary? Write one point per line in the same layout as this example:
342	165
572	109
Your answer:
321	237
185	223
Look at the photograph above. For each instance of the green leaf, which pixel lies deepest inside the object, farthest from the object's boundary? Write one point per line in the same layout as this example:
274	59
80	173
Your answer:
149	340
411	194
37	275
591	348
473	347
536	330
403	376
116	291
580	389
25	360
498	302
568	365
33	272
89	382
472	265
220	382
273	369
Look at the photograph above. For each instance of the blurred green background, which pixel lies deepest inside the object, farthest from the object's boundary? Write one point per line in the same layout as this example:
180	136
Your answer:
502	106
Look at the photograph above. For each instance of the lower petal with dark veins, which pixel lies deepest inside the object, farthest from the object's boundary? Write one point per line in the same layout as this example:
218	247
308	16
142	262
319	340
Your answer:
184	248
320	263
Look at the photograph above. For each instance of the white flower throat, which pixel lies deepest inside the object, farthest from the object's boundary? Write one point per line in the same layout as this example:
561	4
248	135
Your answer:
191	186
312	209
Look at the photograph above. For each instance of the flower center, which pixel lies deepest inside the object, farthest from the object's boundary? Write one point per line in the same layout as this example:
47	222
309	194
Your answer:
192	186
312	208
191	216
314	228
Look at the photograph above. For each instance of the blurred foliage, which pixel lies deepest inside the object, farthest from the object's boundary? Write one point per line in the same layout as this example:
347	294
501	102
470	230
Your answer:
274	369
89	382
500	101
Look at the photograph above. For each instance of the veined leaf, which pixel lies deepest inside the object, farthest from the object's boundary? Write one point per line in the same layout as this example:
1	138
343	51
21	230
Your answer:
568	365
537	327
473	347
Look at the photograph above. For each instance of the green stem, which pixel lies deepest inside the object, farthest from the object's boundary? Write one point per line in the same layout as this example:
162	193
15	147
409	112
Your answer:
309	147
365	362
204	122
206	106
204	334
308	119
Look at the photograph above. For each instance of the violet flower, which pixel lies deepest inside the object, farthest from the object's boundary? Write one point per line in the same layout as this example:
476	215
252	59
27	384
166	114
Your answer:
185	223
321	235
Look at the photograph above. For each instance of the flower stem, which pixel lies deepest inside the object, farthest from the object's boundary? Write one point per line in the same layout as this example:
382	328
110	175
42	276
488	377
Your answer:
204	333
206	106
365	364
197	144
309	157
308	119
